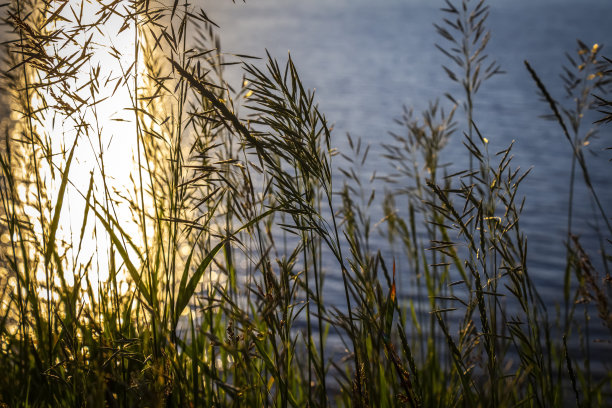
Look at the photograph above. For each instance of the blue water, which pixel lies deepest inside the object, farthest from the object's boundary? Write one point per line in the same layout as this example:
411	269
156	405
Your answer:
366	59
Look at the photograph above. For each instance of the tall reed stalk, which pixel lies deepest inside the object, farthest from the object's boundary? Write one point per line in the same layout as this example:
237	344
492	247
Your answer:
201	281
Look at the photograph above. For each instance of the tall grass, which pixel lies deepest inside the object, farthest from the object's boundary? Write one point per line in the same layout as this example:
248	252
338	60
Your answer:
206	282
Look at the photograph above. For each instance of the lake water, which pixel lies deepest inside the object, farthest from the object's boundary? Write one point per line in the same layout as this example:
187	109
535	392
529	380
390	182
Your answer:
366	59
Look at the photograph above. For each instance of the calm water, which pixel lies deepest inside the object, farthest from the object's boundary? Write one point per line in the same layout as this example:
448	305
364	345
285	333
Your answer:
367	59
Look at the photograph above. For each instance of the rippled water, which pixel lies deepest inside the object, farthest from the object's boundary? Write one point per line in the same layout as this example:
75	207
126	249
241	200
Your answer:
366	59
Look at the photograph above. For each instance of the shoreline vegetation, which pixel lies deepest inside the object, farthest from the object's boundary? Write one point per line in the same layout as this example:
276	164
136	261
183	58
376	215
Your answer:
193	274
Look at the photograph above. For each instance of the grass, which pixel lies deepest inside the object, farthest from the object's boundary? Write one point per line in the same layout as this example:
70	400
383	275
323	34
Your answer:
200	282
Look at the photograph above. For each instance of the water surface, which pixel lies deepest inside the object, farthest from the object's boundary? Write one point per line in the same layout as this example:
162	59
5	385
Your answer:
368	59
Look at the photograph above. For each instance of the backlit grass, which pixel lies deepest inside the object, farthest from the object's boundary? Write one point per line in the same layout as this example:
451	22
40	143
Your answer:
166	236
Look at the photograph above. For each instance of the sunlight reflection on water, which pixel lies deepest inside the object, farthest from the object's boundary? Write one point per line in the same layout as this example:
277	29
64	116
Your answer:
104	132
107	150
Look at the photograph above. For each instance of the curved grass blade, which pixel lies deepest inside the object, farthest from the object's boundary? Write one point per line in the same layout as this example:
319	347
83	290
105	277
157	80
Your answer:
134	274
186	291
58	206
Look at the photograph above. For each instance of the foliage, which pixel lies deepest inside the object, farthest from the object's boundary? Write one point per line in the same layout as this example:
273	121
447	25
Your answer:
205	286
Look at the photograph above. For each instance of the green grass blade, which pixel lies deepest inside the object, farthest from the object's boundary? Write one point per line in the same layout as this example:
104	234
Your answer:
187	291
58	206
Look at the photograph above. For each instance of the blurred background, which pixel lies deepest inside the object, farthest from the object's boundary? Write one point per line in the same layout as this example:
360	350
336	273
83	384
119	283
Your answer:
367	60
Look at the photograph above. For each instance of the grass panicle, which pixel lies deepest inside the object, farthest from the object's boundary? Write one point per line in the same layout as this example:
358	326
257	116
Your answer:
196	275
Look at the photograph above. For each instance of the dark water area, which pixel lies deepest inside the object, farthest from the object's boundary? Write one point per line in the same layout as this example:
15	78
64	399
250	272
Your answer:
367	59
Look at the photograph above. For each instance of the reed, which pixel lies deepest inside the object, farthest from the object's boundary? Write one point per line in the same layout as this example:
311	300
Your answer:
201	281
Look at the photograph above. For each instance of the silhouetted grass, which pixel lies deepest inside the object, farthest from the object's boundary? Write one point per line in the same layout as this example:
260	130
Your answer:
204	280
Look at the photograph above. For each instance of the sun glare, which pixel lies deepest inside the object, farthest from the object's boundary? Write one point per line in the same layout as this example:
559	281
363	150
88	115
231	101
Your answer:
103	133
